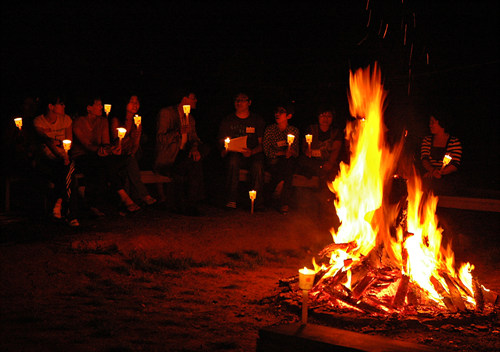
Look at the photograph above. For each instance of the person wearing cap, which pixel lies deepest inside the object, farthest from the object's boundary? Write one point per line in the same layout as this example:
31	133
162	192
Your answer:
281	147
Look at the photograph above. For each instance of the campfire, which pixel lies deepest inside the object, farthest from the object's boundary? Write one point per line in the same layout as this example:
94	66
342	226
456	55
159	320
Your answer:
387	255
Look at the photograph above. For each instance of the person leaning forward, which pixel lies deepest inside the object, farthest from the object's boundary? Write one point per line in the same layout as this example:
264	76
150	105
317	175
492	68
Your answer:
179	152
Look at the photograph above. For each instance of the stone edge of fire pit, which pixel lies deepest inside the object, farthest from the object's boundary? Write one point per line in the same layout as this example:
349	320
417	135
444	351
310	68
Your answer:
311	337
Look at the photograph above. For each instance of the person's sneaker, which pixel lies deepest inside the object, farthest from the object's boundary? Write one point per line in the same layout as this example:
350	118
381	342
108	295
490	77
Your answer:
73	222
231	205
149	200
284	209
56	212
96	212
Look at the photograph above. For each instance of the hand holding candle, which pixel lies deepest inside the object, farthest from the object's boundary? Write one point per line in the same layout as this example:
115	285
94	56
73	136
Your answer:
19	122
121	134
187	111
137	120
309	139
446	160
290	139
107	109
252	194
66	145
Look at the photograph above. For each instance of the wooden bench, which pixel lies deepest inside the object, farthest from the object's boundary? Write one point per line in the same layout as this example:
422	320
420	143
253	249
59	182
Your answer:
147	176
297	181
468	203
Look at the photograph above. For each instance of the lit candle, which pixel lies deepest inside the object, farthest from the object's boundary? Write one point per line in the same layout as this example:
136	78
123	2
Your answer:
137	120
306	278
66	145
446	160
19	122
309	139
306	281
226	143
121	132
253	195
187	111
107	109
290	139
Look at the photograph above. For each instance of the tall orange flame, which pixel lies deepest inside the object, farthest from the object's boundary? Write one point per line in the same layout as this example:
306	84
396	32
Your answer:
360	186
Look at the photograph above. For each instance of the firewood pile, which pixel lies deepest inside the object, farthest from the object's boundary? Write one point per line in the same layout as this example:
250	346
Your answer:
378	289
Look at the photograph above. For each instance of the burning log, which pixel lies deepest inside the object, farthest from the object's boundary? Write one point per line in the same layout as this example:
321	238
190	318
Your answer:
446	298
346	247
362	286
455	296
478	296
401	293
367	308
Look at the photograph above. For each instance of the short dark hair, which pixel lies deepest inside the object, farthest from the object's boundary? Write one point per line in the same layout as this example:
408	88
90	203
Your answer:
242	92
325	108
288	106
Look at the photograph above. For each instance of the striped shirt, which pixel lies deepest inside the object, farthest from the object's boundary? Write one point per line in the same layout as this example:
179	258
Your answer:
435	155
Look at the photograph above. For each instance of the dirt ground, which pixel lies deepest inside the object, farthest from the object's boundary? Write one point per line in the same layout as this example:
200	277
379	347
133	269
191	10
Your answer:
159	281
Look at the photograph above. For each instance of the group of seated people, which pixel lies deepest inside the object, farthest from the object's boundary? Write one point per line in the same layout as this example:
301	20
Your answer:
105	149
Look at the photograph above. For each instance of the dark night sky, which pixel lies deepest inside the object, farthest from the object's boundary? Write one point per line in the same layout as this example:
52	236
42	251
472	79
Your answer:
298	50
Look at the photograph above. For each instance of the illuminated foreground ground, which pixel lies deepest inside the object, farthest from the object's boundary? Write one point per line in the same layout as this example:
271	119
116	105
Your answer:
160	281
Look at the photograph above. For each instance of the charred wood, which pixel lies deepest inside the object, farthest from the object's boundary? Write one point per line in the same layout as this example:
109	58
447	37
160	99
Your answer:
455	296
478	296
446	298
399	297
362	286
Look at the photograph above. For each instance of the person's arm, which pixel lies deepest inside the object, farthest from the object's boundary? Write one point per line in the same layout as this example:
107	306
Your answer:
165	130
334	155
51	143
425	153
454	150
294	148
267	144
194	140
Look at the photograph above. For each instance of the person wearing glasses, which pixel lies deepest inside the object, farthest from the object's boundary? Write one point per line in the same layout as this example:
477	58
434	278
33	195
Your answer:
281	147
243	123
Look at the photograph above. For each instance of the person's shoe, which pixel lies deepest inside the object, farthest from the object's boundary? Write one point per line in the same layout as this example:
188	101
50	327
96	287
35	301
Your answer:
284	209
132	207
231	205
73	222
149	200
96	212
56	212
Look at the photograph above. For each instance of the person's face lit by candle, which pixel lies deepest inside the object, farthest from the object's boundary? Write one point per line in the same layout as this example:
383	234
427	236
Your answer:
58	108
191	100
325	120
95	110
133	105
434	126
281	116
242	103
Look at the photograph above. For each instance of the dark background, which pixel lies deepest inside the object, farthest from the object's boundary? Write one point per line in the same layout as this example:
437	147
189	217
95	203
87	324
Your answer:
276	50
